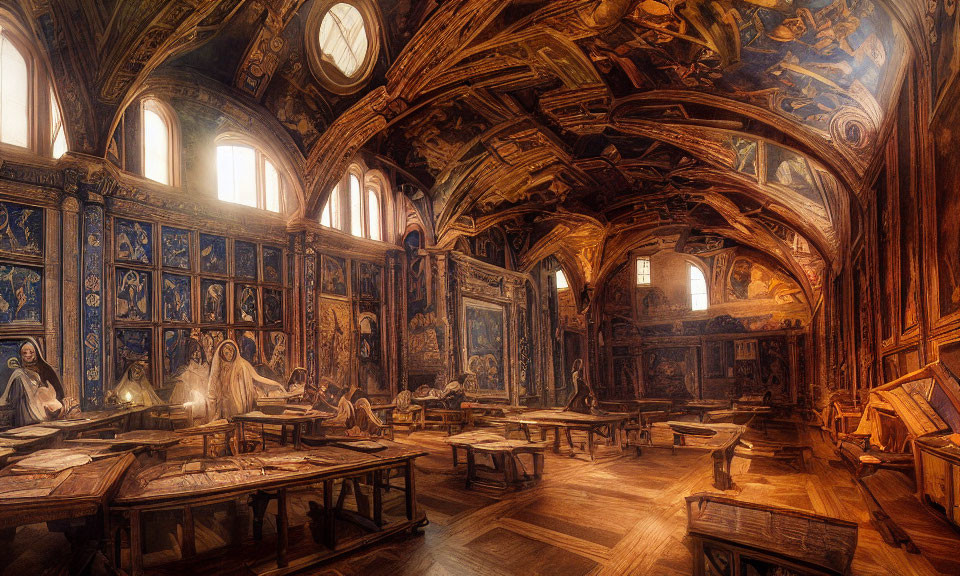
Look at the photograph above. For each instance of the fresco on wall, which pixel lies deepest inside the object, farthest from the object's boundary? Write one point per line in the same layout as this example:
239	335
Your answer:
177	298
333	275
133	300
21	229
272	264
131	346
416	275
175	248
333	335
175	354
245	260
275	352
133	241
209	340
213	254
10	360
665	374
626	380
21	294
485	338
247	307
775	367
490	246
272	307
249	347
808	257
790	169
94	283
369	353
526	367
368	281
213	300
753	281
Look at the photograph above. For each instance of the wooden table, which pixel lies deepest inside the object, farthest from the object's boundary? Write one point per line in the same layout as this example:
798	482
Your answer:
505	455
471	409
637	404
27	439
604	425
154	441
260	478
293	418
105	420
228	429
750	538
701	407
720	439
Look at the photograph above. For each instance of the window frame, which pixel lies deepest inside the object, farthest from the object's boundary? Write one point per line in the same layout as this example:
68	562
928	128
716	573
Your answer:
260	160
639	275
326	72
693	295
370	181
169	118
40	89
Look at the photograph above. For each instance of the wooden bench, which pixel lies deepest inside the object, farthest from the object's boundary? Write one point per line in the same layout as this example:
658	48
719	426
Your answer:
505	456
789	453
443	418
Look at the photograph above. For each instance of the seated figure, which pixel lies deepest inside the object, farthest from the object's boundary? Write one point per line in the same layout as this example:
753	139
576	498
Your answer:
330	398
135	387
234	384
190	389
33	390
584	399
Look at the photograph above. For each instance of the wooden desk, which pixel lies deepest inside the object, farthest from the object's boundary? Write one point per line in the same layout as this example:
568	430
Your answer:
753	538
27	439
637	405
505	455
113	420
604	425
154	441
720	439
228	429
184	486
701	407
293	418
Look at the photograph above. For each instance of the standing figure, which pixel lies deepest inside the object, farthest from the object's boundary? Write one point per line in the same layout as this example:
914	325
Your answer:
584	399
190	389
33	390
234	384
135	387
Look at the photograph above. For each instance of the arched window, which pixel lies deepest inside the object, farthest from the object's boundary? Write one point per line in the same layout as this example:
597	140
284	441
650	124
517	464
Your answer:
342	43
330	217
643	271
698	289
374	225
158	146
30	115
356	207
343	38
14	95
562	281
246	176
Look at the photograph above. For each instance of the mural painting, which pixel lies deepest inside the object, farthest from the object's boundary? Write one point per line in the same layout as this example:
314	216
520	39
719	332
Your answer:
626	380
9	359
792	170
175	248
272	307
370	348
21	229
775	367
213	254
249	347
209	340
666	374
333	275
275	353
272	265
369	280
134	300
213	297
247	307
133	241
245	260
333	335
21	294
485	338
176	345
752	281
177	298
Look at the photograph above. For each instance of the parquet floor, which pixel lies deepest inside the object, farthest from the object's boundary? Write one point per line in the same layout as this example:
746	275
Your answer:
620	515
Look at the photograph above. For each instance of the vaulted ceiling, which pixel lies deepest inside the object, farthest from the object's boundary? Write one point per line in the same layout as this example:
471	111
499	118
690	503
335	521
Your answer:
584	128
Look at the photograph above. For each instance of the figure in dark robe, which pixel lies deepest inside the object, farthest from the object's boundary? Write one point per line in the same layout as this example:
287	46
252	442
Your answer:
584	399
33	390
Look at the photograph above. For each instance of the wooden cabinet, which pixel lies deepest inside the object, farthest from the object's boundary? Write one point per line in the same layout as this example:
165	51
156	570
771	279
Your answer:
938	475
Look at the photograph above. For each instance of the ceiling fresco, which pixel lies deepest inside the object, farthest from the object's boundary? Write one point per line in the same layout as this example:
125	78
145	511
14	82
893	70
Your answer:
578	127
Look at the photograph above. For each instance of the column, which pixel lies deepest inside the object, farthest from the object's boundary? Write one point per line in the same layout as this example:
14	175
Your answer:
92	302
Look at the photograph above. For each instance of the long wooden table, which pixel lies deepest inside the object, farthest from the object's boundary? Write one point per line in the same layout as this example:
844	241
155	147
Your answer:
263	477
604	425
293	418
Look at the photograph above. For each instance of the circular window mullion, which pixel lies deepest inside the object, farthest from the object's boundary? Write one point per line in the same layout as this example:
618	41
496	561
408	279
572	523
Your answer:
342	40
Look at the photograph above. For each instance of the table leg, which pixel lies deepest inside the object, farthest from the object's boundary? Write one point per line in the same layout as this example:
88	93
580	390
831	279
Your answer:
136	544
329	516
566	432
411	493
471	466
283	435
456	460
263	438
378	496
241	437
556	439
590	443
297	437
282	528
206	444
188	544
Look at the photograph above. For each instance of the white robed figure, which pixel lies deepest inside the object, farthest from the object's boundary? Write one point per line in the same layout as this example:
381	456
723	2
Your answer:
33	389
234	384
190	389
135	387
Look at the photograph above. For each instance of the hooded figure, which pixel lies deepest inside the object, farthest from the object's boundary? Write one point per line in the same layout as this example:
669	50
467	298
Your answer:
135	387
33	390
234	384
190	389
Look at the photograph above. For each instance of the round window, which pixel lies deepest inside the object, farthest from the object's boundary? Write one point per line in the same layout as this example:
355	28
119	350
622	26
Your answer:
342	43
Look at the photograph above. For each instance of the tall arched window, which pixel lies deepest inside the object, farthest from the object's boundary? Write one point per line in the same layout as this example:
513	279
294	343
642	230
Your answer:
246	176
358	201
158	149
14	94
30	115
562	283
698	289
